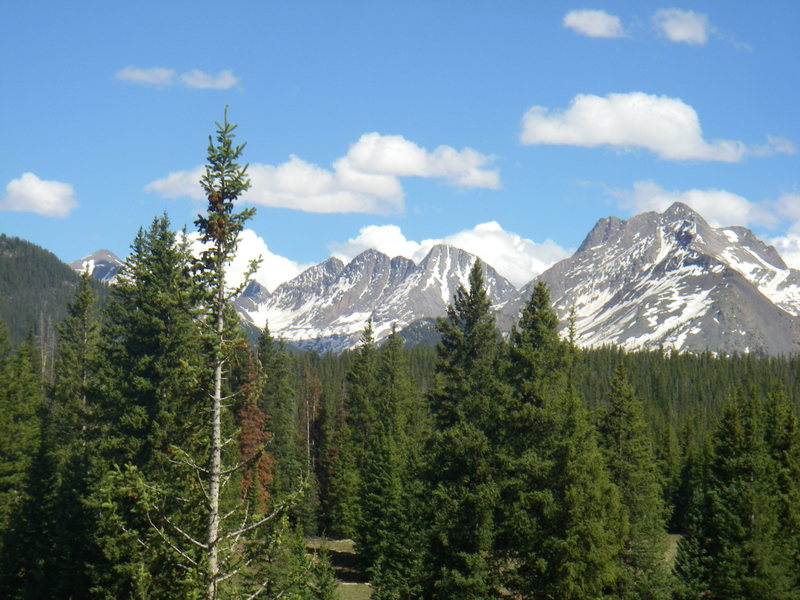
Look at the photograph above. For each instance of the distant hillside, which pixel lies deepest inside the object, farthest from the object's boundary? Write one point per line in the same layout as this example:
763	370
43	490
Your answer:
35	288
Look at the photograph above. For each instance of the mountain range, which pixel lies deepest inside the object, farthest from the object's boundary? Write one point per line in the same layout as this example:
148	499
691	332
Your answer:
658	280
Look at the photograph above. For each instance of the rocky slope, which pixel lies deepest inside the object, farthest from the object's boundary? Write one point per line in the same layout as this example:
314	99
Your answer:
327	306
671	280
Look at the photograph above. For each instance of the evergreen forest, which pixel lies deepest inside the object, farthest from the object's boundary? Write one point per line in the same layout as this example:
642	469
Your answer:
162	454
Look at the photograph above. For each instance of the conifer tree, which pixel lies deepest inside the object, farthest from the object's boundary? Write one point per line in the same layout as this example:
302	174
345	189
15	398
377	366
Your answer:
462	488
691	562
151	347
362	397
21	401
669	459
343	485
560	512
52	529
782	436
320	417
383	540
629	456
223	182
152	370
74	439
389	533
322	584
344	497
234	537
278	401
30	559
7	433
254	437
24	469
176	521
742	548
75	368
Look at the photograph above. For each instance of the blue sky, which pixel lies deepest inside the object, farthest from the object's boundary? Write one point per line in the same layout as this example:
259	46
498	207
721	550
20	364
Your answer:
506	128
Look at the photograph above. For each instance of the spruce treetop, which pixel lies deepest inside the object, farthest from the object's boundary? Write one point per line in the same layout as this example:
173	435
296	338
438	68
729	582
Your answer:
223	182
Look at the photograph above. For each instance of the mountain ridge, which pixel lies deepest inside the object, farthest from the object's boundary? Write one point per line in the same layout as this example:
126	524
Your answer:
329	313
670	280
656	280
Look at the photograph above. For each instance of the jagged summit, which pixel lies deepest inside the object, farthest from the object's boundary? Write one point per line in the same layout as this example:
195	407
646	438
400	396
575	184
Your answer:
603	230
672	280
679	210
327	306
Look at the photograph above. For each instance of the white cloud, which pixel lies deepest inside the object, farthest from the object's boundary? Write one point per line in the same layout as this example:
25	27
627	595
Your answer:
788	206
156	76
718	207
394	155
518	259
365	180
162	77
388	239
774	145
197	79
594	23
788	245
28	193
179	184
666	126
300	185
272	270
683	26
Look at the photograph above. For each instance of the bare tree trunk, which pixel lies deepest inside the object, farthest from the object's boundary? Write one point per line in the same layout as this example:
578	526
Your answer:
215	468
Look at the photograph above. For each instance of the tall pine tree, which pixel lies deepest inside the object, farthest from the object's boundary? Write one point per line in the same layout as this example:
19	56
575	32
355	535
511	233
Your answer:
358	427
560	534
234	537
462	488
388	538
21	400
152	372
782	432
631	463
738	541
279	401
52	531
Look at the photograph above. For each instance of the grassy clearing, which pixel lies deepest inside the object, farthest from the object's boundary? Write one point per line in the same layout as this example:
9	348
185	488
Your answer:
672	548
338	546
354	591
352	582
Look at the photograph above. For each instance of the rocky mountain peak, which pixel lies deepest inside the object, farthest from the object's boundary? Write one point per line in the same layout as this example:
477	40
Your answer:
103	265
604	230
680	211
370	255
319	276
672	280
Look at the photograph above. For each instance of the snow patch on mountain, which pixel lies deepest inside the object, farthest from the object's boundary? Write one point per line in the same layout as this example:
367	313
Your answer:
329	305
670	280
103	265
